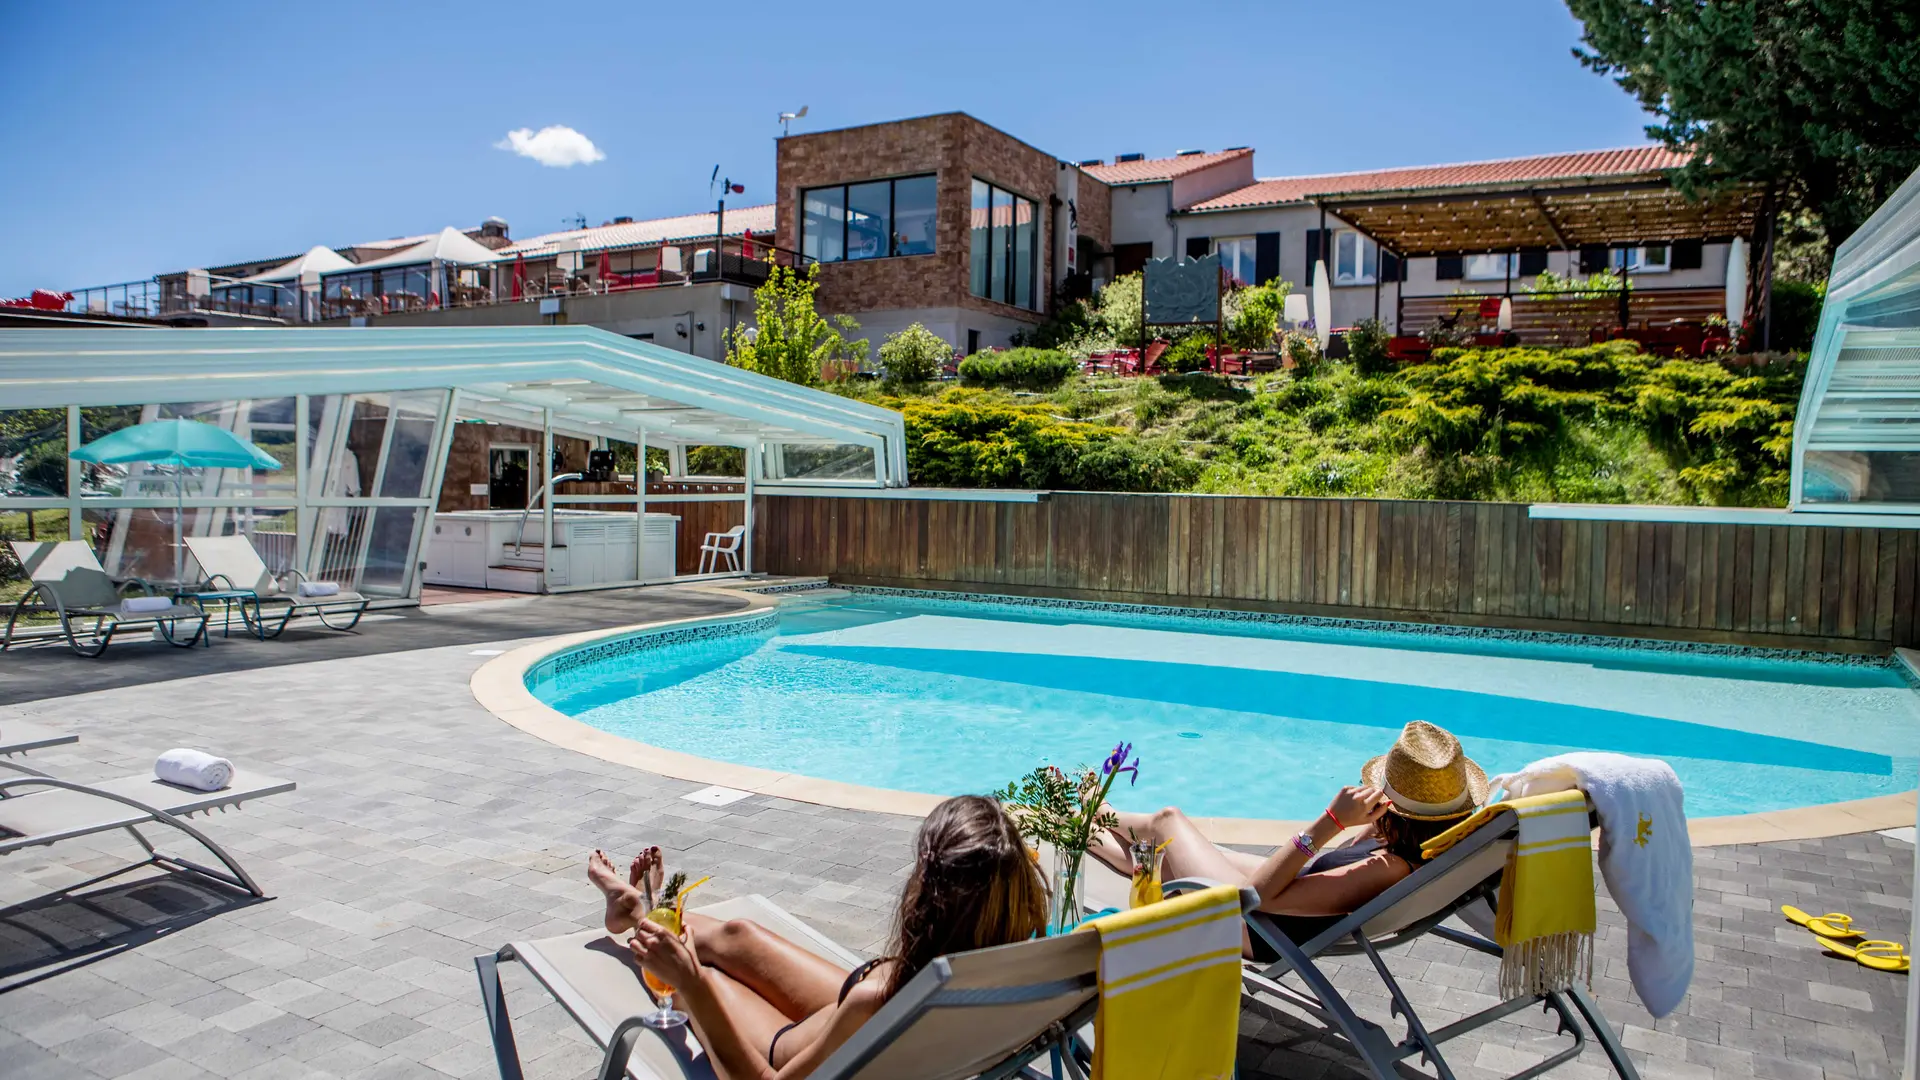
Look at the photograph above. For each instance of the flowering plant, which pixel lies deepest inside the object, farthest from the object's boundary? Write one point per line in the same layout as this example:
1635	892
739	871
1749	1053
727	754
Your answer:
1063	810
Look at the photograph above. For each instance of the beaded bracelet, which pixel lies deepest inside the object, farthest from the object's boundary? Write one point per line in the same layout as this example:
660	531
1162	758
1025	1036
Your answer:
1304	843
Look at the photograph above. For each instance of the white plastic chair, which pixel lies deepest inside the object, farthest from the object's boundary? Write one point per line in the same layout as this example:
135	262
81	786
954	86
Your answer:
722	545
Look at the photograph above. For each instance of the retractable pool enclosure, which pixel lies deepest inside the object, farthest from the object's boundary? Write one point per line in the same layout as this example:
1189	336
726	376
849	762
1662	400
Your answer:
1856	439
363	422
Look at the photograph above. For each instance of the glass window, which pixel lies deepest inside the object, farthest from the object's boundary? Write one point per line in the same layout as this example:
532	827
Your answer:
1491	267
823	220
1001	246
1024	221
1651	259
913	215
1005	246
869	220
1236	258
1864	476
980	233
33	453
1355	258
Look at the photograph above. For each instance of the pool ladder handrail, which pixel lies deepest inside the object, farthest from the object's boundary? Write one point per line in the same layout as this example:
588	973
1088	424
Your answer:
546	489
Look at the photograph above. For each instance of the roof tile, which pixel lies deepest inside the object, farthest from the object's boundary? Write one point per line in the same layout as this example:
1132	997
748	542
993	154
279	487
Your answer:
1152	169
758	219
1291	189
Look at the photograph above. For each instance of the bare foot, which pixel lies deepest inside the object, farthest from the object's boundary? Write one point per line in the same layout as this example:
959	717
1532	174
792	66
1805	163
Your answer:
624	903
649	865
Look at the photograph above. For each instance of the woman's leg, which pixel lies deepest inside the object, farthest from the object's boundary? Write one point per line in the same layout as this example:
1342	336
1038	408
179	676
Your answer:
1187	853
756	1021
795	982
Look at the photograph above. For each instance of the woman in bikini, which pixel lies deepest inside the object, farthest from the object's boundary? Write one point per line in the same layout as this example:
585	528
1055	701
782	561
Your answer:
767	1009
1419	789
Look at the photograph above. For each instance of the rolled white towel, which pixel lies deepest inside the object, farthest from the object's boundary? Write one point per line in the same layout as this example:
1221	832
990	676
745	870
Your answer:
319	588
194	769
138	605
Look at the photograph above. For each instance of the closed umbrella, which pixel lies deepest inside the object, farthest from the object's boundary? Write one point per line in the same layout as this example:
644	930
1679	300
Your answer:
184	444
1322	304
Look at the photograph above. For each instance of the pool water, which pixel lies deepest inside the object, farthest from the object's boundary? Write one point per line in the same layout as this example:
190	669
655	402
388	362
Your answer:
1230	718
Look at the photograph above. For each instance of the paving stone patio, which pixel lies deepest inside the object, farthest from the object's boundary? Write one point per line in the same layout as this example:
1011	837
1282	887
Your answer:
424	831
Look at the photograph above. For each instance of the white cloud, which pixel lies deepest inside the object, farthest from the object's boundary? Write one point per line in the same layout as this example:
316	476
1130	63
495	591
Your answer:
557	146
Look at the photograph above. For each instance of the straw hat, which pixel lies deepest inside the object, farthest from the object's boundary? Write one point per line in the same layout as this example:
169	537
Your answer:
1427	776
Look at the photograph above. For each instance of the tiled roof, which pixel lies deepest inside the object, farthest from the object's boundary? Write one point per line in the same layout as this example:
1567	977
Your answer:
1595	163
1152	169
758	219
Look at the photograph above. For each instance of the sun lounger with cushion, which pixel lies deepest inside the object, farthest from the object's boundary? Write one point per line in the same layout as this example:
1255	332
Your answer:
230	562
70	583
986	1013
42	810
1453	883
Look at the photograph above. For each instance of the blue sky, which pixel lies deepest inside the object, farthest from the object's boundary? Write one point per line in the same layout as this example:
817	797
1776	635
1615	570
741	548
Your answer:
137	142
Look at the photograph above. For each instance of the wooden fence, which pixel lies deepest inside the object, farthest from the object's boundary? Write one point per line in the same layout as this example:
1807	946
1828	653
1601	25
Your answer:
1555	320
1835	588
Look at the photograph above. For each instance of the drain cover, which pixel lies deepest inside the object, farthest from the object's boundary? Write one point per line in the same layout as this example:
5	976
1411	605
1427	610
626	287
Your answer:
1189	734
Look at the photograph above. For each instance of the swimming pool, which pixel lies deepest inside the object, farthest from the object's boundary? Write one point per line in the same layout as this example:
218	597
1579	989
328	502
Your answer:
1230	718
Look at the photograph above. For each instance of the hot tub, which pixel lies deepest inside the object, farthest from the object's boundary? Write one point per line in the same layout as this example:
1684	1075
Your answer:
475	549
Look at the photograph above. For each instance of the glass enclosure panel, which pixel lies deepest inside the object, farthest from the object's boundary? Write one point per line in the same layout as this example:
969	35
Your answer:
810	461
823	215
1000	246
383	570
265	422
1867	476
414	423
1024	223
716	461
869	219
980	233
33	452
405	288
914	215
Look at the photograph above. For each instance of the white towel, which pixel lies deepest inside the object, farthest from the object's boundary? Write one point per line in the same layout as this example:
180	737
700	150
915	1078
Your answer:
1645	856
138	605
319	588
194	769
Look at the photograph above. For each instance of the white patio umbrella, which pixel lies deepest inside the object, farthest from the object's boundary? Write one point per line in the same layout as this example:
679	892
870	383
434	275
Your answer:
1322	304
1736	283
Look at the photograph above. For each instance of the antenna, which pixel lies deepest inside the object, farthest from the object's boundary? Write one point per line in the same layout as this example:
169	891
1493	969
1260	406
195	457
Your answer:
788	117
578	221
713	180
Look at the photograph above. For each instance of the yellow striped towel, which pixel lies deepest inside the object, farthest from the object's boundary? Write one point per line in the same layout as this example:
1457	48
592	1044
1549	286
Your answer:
1169	989
1545	920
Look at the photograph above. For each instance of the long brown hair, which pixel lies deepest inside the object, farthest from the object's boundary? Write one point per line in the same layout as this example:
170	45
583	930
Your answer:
1403	835
973	885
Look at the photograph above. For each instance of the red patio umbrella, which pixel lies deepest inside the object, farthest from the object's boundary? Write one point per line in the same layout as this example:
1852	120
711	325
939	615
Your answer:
606	266
519	274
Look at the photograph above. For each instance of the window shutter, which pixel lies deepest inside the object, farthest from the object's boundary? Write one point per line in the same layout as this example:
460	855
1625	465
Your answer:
1686	254
1593	258
1533	262
1316	239
1266	257
1449	267
1198	246
1392	267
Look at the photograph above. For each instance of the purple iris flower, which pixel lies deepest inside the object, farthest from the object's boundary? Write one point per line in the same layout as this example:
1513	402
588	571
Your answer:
1117	763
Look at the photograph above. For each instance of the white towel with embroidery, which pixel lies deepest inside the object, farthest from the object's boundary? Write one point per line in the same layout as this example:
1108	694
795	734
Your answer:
1645	856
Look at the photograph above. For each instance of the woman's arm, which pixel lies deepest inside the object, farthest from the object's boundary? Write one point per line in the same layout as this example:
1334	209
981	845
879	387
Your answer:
1280	873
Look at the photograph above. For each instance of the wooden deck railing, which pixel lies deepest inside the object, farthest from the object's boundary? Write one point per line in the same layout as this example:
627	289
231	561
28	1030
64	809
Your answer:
1835	588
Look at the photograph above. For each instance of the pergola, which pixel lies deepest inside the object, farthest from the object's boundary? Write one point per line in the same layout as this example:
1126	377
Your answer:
396	394
1569	214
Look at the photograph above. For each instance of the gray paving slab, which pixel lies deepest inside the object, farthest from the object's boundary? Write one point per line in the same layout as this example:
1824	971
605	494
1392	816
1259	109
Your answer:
425	831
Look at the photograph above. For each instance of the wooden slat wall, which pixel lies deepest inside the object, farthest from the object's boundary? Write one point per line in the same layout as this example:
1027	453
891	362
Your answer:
1566	321
1488	564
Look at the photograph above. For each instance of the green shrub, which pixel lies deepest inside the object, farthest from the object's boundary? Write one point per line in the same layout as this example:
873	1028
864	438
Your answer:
1367	347
1796	315
1019	369
1253	315
914	356
965	441
1186	355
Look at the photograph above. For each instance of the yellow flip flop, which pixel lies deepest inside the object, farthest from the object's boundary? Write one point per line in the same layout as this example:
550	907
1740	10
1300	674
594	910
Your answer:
1832	926
1878	955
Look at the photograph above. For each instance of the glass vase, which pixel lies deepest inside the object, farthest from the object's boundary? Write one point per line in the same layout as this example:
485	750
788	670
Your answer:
1066	912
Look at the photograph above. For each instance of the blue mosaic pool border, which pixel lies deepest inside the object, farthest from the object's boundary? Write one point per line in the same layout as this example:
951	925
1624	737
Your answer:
594	652
1409	629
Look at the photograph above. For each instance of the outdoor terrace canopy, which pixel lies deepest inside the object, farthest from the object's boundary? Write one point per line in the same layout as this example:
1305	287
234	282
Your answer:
1561	213
362	419
1857	436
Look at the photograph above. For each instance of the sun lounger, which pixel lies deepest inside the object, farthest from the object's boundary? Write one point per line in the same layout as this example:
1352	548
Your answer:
42	810
69	582
986	1013
19	737
1458	879
230	562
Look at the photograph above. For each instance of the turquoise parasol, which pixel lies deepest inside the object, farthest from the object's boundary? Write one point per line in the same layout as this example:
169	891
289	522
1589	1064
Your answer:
186	444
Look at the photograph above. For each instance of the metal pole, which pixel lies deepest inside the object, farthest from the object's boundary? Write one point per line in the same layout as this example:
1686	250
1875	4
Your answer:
640	509
76	516
546	504
746	540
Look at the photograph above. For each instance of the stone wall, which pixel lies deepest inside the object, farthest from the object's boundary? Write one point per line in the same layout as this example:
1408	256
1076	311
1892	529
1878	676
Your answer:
467	461
1096	210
